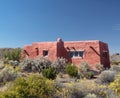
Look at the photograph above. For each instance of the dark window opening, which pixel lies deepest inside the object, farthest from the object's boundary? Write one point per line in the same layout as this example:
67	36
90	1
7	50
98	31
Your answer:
37	51
80	53
76	54
45	52
71	54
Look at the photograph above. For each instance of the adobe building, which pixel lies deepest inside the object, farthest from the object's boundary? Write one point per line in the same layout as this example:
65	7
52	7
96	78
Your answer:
93	52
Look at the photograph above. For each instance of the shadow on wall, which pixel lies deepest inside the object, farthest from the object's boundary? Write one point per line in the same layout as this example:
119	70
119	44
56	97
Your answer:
95	51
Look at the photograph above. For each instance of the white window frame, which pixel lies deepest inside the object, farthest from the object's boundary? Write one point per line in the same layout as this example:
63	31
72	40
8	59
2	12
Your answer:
78	55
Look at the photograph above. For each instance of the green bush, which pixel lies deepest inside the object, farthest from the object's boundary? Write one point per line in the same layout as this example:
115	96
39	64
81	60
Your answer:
33	86
49	73
14	54
72	70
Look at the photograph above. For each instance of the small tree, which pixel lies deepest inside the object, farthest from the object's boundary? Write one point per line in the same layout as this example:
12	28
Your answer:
72	70
49	73
14	54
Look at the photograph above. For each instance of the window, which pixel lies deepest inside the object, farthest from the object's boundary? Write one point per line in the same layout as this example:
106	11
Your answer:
37	51
71	54
45	52
80	53
76	54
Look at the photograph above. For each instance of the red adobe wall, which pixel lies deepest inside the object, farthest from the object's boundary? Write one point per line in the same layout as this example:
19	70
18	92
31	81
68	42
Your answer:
89	55
93	51
50	46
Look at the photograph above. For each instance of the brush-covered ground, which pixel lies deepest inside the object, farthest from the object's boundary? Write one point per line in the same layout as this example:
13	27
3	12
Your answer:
41	78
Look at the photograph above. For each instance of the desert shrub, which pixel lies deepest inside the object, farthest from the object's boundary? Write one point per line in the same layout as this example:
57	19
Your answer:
61	75
42	63
85	71
72	70
115	68
101	91
67	91
31	87
36	65
28	65
100	67
90	87
14	54
91	96
49	73
2	65
14	63
7	74
75	93
115	63
60	65
106	77
85	86
84	89
84	66
88	75
81	89
115	85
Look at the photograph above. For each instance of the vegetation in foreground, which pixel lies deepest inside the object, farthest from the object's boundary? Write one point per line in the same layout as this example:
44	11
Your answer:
41	78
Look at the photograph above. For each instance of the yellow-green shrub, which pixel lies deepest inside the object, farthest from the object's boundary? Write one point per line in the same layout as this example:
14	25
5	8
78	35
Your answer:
72	70
33	86
115	85
49	73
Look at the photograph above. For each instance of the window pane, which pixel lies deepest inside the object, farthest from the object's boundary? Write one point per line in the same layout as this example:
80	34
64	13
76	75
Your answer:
80	53
76	53
71	54
45	52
